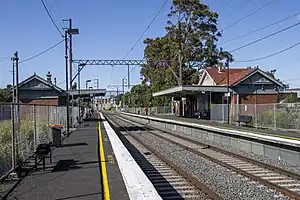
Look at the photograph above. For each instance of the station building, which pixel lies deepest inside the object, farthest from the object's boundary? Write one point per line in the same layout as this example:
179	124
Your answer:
218	85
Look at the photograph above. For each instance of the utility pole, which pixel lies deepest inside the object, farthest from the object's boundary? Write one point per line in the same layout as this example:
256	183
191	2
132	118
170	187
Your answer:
16	112
13	80
16	58
13	118
67	83
70	53
180	54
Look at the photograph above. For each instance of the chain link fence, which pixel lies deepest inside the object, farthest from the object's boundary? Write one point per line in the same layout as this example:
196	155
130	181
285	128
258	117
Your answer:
284	116
29	125
159	110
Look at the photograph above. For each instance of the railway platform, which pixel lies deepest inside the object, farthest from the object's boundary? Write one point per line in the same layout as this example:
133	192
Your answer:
85	167
275	145
279	137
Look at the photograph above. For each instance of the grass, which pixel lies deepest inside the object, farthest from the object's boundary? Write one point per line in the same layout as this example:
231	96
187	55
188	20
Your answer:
25	140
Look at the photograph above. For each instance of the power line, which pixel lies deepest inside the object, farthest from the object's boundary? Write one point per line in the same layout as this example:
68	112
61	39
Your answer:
243	18
271	55
131	49
238	8
30	58
262	28
263	38
64	80
227	3
51	17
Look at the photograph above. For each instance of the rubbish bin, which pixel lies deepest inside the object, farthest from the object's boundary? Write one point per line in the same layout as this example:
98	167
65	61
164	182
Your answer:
56	135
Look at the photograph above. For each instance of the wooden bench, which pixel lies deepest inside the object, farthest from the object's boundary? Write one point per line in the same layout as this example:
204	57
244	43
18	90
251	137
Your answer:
245	119
42	152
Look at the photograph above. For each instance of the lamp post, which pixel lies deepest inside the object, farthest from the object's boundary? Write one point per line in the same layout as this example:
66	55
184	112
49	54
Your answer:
87	83
68	32
80	66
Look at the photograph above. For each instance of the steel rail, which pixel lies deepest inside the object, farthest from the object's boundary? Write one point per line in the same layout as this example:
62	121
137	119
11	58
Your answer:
269	184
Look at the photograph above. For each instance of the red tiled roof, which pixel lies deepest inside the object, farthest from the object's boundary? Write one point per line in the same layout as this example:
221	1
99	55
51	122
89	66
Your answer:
235	74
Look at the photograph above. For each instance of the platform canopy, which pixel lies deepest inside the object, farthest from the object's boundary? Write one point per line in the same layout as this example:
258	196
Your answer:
88	92
190	90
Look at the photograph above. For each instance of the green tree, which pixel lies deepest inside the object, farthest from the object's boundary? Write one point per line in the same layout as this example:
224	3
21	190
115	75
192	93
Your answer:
291	98
192	29
6	94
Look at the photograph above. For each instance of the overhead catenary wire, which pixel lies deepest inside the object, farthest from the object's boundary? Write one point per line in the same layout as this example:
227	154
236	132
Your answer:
41	53
141	36
268	36
252	13
227	3
271	55
51	17
262	28
238	8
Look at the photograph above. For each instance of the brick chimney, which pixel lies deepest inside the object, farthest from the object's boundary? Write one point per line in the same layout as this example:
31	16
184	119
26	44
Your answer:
49	80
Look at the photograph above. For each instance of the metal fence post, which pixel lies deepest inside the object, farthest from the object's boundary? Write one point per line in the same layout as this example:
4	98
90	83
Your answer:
48	115
34	128
255	114
275	120
13	155
223	116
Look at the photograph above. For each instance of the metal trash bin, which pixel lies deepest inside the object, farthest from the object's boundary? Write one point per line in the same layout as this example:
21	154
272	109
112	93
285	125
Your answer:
56	135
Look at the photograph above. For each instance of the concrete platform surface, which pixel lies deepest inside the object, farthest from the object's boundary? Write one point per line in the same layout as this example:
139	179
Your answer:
75	172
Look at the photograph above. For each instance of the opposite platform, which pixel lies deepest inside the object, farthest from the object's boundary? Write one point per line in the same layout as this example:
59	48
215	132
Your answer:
272	136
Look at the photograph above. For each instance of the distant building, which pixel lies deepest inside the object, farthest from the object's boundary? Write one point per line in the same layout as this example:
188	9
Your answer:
37	90
248	85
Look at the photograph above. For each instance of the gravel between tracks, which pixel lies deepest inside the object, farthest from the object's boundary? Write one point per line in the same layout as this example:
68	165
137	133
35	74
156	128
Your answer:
142	150
277	163
227	184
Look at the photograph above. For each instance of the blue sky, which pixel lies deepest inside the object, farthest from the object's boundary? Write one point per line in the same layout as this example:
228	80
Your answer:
108	29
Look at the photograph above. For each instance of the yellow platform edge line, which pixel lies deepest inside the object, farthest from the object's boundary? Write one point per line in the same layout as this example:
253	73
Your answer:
103	163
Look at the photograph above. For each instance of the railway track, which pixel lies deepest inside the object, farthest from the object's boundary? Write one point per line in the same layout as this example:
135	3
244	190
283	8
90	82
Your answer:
285	182
170	181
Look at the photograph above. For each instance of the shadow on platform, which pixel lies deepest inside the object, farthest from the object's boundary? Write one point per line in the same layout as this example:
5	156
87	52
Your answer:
78	196
70	164
73	145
